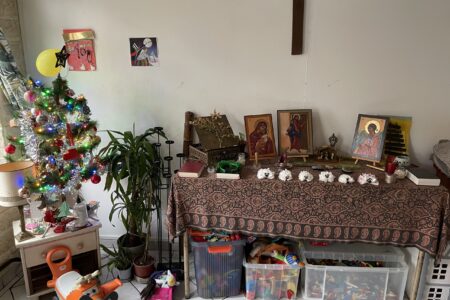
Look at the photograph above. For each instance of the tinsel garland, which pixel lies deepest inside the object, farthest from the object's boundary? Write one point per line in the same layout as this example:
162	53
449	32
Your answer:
59	137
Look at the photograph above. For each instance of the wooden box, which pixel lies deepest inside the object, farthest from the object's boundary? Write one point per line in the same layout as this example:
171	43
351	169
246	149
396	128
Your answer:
214	155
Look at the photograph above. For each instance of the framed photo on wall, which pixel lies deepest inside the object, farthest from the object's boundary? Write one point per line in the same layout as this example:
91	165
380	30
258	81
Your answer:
295	136
370	134
260	136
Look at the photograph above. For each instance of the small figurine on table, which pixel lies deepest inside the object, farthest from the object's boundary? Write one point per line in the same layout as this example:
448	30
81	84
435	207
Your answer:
328	152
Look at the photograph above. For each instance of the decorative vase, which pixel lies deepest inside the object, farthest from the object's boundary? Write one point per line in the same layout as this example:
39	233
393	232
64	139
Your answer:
400	173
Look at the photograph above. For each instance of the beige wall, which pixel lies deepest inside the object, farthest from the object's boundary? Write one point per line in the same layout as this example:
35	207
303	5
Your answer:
362	56
9	22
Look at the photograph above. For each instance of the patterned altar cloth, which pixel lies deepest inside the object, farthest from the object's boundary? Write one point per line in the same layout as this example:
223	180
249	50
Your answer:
401	214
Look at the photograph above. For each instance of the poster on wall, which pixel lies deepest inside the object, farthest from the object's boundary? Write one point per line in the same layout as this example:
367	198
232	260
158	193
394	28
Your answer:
144	52
80	47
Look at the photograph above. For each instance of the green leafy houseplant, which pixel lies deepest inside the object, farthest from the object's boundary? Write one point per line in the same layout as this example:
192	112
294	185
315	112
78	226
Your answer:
133	174
118	258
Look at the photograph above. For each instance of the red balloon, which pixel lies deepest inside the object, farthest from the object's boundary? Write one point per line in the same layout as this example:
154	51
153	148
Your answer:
95	179
10	149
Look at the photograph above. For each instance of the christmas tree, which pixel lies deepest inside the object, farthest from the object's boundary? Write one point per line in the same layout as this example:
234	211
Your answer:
59	137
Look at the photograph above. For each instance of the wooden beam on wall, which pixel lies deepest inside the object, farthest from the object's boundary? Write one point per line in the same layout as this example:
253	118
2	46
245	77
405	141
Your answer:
298	9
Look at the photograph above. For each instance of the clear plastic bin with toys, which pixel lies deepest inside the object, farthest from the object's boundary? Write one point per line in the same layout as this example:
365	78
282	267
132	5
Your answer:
218	263
272	270
356	271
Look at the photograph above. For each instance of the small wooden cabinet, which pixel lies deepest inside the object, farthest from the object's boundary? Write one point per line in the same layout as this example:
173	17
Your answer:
83	243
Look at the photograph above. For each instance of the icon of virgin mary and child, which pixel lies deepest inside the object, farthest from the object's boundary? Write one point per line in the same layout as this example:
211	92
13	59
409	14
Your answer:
260	140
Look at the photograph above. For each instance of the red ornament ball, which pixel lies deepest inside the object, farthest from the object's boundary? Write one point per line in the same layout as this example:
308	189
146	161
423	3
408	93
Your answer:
35	111
29	96
10	149
95	179
59	143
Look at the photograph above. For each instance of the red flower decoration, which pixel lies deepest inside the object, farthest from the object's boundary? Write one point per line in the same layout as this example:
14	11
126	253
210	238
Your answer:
10	149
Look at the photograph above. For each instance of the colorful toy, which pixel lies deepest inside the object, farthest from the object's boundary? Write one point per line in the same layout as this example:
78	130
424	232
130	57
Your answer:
70	285
166	280
160	286
289	259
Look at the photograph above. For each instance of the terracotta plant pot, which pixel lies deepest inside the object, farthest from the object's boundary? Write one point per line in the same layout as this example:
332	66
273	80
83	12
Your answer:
144	269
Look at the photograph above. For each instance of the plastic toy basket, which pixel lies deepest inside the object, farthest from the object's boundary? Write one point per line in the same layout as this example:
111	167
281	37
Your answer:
271	281
323	280
263	281
218	268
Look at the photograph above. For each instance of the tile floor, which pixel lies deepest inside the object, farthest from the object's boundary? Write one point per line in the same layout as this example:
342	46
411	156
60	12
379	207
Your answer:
15	289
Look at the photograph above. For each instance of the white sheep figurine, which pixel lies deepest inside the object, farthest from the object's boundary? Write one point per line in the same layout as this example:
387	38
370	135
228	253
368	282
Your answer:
368	178
265	174
305	176
285	175
326	176
345	179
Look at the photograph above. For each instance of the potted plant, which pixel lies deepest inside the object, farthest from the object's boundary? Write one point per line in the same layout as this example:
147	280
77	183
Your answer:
119	263
134	168
144	265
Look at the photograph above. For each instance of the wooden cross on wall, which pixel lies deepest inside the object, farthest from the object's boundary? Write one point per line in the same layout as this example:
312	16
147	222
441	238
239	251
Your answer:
298	9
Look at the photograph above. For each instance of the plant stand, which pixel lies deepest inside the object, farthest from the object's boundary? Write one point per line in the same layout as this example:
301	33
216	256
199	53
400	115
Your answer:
164	180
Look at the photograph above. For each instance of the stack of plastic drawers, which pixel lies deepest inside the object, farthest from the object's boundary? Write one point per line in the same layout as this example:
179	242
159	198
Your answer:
437	279
334	276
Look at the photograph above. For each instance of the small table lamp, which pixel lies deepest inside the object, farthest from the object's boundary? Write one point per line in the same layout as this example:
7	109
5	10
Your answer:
12	178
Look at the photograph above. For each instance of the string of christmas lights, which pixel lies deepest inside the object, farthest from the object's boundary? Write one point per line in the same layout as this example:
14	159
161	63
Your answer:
59	137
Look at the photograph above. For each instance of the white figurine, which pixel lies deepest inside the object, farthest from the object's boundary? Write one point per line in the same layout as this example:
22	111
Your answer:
285	175
305	176
400	173
368	178
265	174
326	176
345	178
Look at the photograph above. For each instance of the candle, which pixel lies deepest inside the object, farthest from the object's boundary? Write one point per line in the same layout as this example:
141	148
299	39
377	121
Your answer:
390	168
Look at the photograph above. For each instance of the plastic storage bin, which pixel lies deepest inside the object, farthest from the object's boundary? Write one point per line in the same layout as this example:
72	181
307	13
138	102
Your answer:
271	281
218	268
436	277
440	273
346	282
436	292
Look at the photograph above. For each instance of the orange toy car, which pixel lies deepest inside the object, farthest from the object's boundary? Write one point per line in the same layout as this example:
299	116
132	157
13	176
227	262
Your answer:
70	285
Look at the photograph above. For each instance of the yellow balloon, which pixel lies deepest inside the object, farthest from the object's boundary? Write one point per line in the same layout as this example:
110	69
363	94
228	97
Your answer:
46	61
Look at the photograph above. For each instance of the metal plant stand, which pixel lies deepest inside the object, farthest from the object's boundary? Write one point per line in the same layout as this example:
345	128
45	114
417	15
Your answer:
163	167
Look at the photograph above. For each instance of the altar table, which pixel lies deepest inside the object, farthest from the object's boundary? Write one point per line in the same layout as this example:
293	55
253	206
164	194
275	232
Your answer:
400	214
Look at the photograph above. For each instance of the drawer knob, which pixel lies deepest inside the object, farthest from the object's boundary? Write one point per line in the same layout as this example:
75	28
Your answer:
44	255
80	246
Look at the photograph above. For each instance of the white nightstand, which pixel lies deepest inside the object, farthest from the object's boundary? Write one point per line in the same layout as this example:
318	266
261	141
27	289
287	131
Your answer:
83	243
